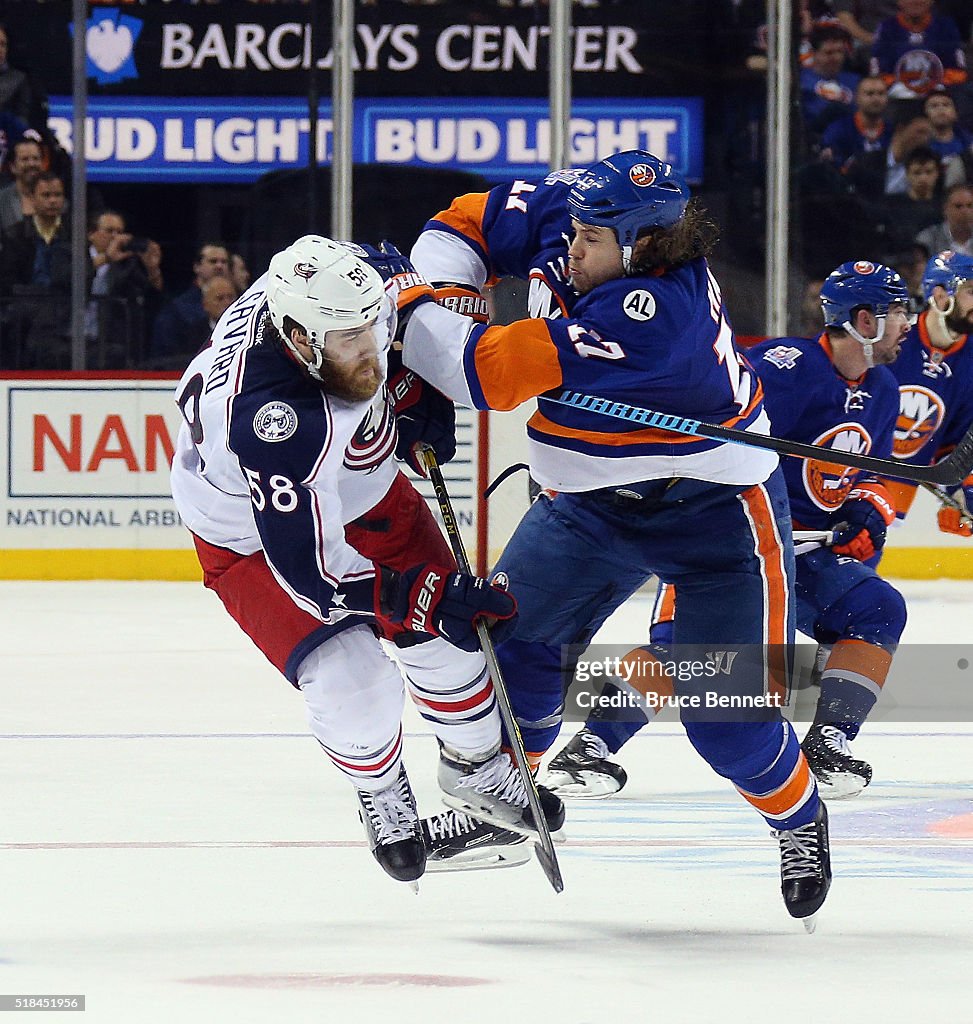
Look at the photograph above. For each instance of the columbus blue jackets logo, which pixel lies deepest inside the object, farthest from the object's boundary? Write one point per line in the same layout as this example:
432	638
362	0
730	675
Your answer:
827	484
275	421
642	175
305	270
921	413
374	440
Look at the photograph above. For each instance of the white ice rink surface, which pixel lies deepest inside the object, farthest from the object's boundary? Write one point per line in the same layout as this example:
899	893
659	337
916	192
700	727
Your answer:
175	847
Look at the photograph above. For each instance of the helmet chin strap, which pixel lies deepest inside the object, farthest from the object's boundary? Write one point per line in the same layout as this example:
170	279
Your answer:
939	318
313	365
627	258
867	344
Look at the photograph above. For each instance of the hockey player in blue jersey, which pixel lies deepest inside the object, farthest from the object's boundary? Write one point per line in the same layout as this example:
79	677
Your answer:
641	320
935	376
316	544
835	391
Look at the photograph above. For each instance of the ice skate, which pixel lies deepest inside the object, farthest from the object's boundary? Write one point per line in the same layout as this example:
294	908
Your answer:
829	757
805	867
457	842
492	791
582	769
392	826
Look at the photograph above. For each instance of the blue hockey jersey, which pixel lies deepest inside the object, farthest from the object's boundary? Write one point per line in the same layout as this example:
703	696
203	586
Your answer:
809	401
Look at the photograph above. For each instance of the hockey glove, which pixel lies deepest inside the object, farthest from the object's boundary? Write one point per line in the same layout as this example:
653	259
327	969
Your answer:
422	415
405	286
958	521
440	602
862	521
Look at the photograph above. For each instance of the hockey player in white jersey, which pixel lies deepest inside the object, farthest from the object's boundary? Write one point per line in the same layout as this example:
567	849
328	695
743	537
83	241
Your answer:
317	544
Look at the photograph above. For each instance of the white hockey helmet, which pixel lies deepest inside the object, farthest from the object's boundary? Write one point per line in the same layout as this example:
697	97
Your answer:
324	286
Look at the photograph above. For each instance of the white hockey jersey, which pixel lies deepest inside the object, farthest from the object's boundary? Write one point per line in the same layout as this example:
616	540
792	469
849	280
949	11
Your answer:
266	460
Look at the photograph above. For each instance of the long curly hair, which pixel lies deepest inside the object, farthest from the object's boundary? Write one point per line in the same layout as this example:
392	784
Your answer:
692	236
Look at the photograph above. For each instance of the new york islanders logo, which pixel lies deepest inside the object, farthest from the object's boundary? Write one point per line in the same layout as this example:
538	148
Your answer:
305	270
864	267
827	484
641	175
921	413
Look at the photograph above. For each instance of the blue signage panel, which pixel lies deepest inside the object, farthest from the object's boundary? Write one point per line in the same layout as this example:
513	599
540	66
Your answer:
208	139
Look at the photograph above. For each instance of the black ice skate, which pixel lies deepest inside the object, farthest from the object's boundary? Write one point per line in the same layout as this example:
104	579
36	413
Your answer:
493	791
839	774
805	867
457	842
392	825
582	769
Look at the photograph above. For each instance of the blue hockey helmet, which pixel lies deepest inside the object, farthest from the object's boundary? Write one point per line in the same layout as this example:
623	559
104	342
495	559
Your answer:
630	193
947	269
861	285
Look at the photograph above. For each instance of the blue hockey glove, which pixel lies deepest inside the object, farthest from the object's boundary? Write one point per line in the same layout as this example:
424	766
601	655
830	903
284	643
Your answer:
422	415
438	601
862	521
405	286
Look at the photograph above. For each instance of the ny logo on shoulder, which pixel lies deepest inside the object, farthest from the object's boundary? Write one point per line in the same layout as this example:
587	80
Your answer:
784	357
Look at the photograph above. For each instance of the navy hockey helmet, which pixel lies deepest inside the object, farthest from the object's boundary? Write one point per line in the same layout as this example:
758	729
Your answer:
947	269
630	193
861	285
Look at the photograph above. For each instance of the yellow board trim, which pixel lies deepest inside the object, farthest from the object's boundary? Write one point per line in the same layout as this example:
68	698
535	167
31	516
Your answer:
181	564
99	564
928	563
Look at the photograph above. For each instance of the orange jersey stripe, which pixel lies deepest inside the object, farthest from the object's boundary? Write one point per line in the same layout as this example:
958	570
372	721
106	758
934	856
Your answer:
516	362
665	605
770	551
649	435
647	674
902	493
862	658
786	799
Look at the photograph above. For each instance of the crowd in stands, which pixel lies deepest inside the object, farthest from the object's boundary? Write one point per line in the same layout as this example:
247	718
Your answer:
883	167
885	164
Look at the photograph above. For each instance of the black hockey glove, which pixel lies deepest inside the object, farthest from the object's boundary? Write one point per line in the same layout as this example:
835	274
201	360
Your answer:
438	601
423	415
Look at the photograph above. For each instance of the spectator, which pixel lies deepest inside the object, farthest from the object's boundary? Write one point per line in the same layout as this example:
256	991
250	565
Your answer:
860	18
15	92
953	143
177	324
812	320
918	51
126	288
865	130
26	163
910	265
219	293
827	89
35	268
239	273
882	172
956	230
919	206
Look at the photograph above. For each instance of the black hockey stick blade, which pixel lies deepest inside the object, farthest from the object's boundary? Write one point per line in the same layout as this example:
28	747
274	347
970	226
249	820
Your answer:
546	856
950	472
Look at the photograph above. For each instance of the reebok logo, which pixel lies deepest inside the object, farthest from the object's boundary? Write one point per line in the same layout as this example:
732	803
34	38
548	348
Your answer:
424	601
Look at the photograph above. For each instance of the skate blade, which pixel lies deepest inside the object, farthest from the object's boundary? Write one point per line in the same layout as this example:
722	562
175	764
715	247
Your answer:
459	804
484	860
810	923
841	786
414	886
588	786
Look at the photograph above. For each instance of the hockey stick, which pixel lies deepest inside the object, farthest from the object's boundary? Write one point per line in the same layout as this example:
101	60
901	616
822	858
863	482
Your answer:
950	472
948	501
544	847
